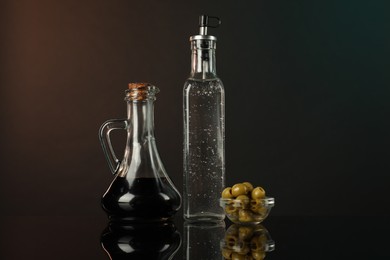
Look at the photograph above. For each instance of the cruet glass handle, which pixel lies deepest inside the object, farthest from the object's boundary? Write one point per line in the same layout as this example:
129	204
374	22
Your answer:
105	141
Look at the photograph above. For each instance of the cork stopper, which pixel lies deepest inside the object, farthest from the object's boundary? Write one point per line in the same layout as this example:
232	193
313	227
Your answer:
141	92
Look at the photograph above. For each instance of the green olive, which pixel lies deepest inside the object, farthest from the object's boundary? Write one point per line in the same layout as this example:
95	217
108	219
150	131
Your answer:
259	210
227	193
243	201
257	202
249	186
258	193
260	255
238	189
258	217
245	215
231	211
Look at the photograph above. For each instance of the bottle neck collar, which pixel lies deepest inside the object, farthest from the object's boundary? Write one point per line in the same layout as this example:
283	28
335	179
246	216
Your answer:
203	65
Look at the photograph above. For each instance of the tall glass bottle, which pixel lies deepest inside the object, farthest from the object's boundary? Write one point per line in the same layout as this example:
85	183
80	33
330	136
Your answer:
204	130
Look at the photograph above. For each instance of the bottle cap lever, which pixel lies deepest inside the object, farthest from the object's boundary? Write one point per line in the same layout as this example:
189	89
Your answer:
204	23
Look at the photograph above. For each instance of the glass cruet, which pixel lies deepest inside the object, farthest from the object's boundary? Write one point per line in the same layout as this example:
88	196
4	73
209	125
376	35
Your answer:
141	190
160	240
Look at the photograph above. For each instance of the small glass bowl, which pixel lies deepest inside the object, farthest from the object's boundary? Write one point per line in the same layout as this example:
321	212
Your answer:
247	211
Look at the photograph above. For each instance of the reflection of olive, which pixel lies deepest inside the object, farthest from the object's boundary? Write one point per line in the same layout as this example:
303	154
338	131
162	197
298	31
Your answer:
245	232
238	189
260	255
258	243
231	240
227	253
237	256
258	193
241	247
227	193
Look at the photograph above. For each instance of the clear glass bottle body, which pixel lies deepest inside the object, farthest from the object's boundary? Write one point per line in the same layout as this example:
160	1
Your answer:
204	136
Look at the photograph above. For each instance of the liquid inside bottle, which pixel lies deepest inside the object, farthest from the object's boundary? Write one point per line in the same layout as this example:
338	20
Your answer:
140	199
204	149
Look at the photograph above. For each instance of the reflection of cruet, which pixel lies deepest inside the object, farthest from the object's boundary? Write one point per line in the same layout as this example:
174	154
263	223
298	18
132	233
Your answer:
141	190
158	241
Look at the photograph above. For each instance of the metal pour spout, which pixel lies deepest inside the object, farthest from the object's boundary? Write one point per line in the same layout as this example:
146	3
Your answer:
204	23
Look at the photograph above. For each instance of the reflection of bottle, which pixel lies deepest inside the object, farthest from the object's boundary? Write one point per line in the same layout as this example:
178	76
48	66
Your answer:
202	240
141	190
204	131
246	242
151	241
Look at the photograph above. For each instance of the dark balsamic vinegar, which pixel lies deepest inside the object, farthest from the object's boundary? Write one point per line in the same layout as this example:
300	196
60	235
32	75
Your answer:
140	200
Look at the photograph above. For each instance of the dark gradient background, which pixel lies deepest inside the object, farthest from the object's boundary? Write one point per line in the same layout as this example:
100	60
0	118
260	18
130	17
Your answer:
307	98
